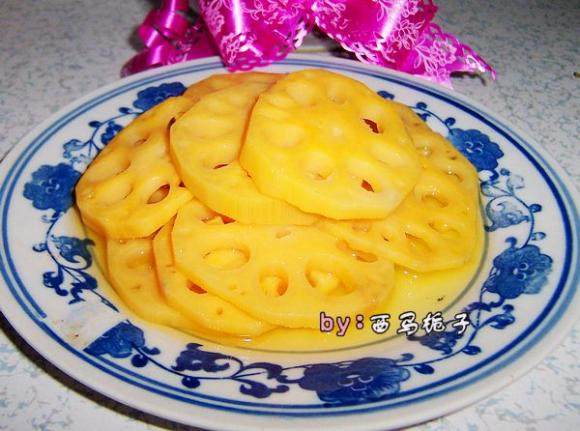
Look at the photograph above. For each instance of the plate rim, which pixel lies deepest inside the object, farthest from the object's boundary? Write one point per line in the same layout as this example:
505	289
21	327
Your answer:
558	175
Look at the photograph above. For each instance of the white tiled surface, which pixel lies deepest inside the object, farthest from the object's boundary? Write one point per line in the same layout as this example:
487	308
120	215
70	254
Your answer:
53	52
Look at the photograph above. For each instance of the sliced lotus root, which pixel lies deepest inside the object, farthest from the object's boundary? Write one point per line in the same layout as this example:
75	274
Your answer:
434	228
222	81
285	275
329	145
440	151
132	189
205	143
132	274
195	303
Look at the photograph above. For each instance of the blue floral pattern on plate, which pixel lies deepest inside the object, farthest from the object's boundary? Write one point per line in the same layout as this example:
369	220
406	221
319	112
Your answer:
521	268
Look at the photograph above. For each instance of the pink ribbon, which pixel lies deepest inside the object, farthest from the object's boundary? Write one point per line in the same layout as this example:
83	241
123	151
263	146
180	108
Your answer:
397	34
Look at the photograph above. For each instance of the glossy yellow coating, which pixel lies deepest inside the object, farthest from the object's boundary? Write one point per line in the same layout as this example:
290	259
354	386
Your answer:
202	307
274	272
434	228
312	194
131	271
131	189
331	146
205	143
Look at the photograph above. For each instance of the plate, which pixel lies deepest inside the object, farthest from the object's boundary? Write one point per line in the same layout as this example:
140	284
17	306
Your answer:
522	300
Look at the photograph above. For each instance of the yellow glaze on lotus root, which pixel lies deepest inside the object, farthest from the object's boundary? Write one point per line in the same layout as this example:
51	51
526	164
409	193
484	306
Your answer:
195	303
131	189
131	271
205	144
312	194
309	142
284	275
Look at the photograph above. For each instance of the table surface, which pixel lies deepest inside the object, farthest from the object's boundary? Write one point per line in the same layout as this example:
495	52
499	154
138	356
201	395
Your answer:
53	52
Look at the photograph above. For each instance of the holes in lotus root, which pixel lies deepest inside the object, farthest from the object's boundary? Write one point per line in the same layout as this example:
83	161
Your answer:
319	166
274	282
218	219
370	186
434	200
139	142
226	219
445	230
195	288
457	177
325	281
227	258
216	160
363	175
359	255
417	245
159	194
372	115
372	125
215	220
367	186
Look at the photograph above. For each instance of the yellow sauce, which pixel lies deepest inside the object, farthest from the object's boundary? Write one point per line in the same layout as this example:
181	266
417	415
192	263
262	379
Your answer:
418	292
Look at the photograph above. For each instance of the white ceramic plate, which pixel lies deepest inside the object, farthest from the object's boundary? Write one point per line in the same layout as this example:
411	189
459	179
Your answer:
520	303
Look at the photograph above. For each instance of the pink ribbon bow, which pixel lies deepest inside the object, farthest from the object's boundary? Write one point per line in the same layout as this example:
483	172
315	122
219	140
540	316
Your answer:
397	34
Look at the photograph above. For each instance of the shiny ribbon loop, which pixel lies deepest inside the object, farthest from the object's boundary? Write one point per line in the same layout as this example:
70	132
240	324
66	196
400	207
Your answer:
397	34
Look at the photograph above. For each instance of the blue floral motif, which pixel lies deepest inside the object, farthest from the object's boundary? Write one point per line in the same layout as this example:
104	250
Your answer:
72	258
195	359
501	320
118	342
51	187
505	211
519	270
363	380
386	95
151	96
505	208
477	147
72	248
110	132
71	270
444	341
